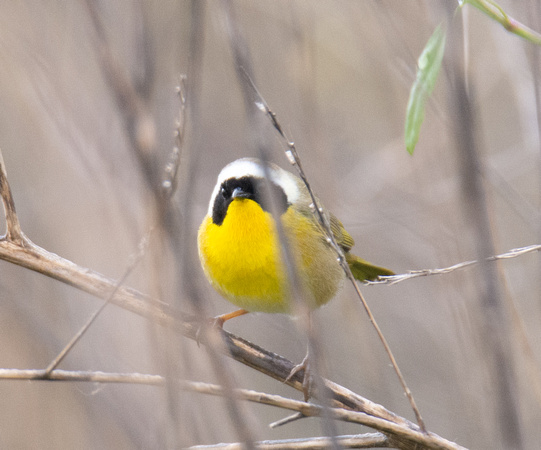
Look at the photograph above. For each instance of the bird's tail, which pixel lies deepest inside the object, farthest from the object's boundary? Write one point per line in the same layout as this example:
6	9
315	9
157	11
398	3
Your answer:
363	270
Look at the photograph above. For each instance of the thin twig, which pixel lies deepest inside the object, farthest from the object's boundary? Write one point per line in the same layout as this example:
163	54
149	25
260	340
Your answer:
130	98
312	410
13	228
293	158
169	186
244	69
286	420
429	440
368	440
493	325
170	181
81	376
143	244
236	414
393	279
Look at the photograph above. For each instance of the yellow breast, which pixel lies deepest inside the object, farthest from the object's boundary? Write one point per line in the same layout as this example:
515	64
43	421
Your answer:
241	258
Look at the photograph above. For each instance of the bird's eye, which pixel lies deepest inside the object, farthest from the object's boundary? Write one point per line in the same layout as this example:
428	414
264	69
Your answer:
223	192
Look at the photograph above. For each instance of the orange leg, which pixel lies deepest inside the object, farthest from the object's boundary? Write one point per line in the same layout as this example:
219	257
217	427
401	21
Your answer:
220	320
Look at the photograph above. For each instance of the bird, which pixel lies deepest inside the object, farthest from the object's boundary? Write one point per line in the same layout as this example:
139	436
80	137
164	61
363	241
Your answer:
240	248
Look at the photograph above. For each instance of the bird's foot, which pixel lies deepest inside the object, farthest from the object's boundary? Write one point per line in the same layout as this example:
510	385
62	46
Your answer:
307	377
217	323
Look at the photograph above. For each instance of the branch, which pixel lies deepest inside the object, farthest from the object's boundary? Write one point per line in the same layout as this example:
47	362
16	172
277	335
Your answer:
13	228
393	279
130	97
82	376
369	440
135	260
39	260
403	431
170	178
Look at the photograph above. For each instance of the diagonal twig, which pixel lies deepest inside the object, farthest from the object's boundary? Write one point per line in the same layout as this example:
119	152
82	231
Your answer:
169	185
293	158
135	260
243	65
13	227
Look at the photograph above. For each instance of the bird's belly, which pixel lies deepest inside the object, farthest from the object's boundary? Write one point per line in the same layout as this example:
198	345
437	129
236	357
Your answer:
243	262
245	266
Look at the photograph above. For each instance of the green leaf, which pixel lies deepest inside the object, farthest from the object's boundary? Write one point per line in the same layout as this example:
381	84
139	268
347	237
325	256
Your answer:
428	67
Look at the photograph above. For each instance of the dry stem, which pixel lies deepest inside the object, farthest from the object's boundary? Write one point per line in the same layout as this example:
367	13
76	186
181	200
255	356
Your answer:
306	409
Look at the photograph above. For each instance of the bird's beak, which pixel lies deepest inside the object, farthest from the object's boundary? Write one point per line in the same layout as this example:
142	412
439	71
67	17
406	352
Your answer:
238	192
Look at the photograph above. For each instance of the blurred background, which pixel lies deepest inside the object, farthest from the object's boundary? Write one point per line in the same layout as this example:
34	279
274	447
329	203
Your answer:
84	167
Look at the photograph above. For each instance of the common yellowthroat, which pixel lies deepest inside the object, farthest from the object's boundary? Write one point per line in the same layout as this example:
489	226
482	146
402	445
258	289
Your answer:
239	245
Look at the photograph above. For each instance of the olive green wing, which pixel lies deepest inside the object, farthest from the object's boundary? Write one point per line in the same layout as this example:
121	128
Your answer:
343	238
362	270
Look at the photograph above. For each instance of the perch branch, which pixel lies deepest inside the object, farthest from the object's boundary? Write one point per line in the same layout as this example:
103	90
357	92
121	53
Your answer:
39	260
306	409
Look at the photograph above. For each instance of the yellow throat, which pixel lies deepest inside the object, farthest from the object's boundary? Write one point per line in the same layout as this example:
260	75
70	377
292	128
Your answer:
241	257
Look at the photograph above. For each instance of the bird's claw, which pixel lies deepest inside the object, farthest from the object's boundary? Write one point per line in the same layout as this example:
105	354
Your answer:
216	323
306	379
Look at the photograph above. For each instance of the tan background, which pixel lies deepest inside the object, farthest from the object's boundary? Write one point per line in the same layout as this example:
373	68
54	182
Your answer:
338	74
